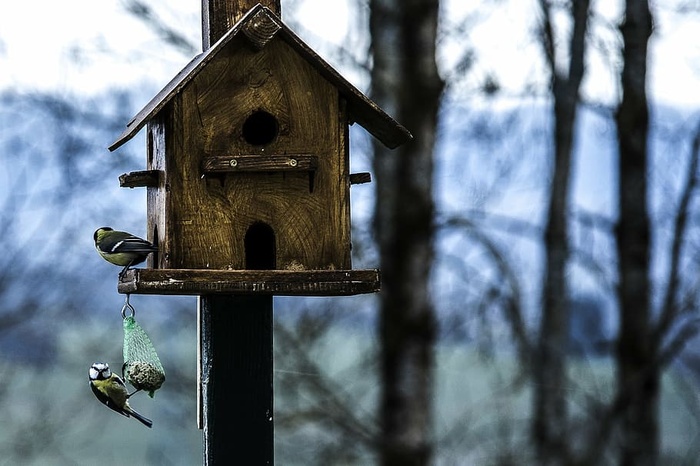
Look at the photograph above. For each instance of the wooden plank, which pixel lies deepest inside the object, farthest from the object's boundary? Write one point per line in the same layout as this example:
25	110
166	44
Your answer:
360	178
261	29
219	15
140	179
235	367
250	282
258	163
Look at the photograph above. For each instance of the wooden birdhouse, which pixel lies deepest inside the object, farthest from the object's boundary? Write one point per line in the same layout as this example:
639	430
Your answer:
248	160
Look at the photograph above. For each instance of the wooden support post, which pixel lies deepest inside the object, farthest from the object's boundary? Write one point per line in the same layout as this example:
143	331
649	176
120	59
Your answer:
219	15
235	334
236	379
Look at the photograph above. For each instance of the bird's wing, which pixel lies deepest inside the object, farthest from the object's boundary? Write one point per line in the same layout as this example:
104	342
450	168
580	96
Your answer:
127	244
107	401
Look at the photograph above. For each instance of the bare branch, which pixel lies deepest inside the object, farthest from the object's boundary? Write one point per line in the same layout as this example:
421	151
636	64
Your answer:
333	403
669	310
548	36
579	12
513	310
172	36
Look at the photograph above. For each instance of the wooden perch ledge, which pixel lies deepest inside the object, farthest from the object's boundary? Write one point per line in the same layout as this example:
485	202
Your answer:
258	163
139	179
249	282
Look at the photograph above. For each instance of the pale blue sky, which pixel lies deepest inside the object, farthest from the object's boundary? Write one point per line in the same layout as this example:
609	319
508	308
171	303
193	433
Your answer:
87	45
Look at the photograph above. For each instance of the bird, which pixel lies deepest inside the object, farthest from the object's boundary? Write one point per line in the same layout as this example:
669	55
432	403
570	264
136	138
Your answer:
122	248
110	389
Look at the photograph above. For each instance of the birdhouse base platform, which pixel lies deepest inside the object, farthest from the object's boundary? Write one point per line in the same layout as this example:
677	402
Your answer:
250	282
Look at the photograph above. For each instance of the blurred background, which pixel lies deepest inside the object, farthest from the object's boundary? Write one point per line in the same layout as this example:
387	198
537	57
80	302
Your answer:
539	252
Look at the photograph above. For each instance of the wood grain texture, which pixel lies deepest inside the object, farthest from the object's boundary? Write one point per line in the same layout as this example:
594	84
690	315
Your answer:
157	197
259	163
218	16
260	29
250	282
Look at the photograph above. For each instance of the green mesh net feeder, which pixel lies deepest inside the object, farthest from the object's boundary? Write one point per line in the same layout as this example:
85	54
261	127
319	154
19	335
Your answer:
142	367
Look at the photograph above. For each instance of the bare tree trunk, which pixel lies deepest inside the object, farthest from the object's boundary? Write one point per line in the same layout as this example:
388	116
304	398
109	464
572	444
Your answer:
638	373
550	423
405	82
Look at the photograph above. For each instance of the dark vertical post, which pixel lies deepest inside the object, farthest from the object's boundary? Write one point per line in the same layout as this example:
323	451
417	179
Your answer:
219	15
235	334
236	378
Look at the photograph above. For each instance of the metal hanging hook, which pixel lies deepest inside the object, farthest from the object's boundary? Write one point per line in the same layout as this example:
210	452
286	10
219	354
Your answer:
127	305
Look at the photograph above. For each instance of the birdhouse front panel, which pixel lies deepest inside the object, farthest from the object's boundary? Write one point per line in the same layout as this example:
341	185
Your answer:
253	155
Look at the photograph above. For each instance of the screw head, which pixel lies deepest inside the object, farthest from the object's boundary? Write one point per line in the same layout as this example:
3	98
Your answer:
293	162
233	163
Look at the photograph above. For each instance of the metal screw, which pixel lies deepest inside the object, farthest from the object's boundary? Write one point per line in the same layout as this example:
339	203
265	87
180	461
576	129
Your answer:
293	162
233	162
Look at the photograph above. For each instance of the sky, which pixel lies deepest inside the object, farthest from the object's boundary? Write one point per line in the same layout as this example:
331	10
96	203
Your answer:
88	46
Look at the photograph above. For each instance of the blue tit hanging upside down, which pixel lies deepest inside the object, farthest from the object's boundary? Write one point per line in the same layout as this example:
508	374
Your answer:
122	248
110	389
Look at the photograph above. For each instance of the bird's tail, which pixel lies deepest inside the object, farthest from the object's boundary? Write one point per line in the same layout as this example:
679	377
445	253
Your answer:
144	420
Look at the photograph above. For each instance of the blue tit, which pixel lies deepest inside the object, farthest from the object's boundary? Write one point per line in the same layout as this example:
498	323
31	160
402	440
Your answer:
122	248
110	389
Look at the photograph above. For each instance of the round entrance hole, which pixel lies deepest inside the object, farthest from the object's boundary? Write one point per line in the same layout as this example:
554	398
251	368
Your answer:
260	128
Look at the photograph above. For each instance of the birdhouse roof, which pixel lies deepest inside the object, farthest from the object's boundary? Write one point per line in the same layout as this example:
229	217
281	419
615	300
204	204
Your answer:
259	25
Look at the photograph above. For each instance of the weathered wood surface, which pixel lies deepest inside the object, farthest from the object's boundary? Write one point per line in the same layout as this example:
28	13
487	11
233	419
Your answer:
261	29
218	16
250	282
360	178
235	356
140	179
259	163
202	219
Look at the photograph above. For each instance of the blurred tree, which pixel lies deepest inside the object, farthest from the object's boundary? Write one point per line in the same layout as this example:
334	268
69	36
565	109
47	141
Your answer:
637	351
550	424
405	82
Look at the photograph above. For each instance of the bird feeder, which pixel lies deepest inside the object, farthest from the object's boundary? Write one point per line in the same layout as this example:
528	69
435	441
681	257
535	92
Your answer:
248	174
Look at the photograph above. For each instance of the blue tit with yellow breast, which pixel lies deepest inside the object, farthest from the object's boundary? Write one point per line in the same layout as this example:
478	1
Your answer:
110	389
122	248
